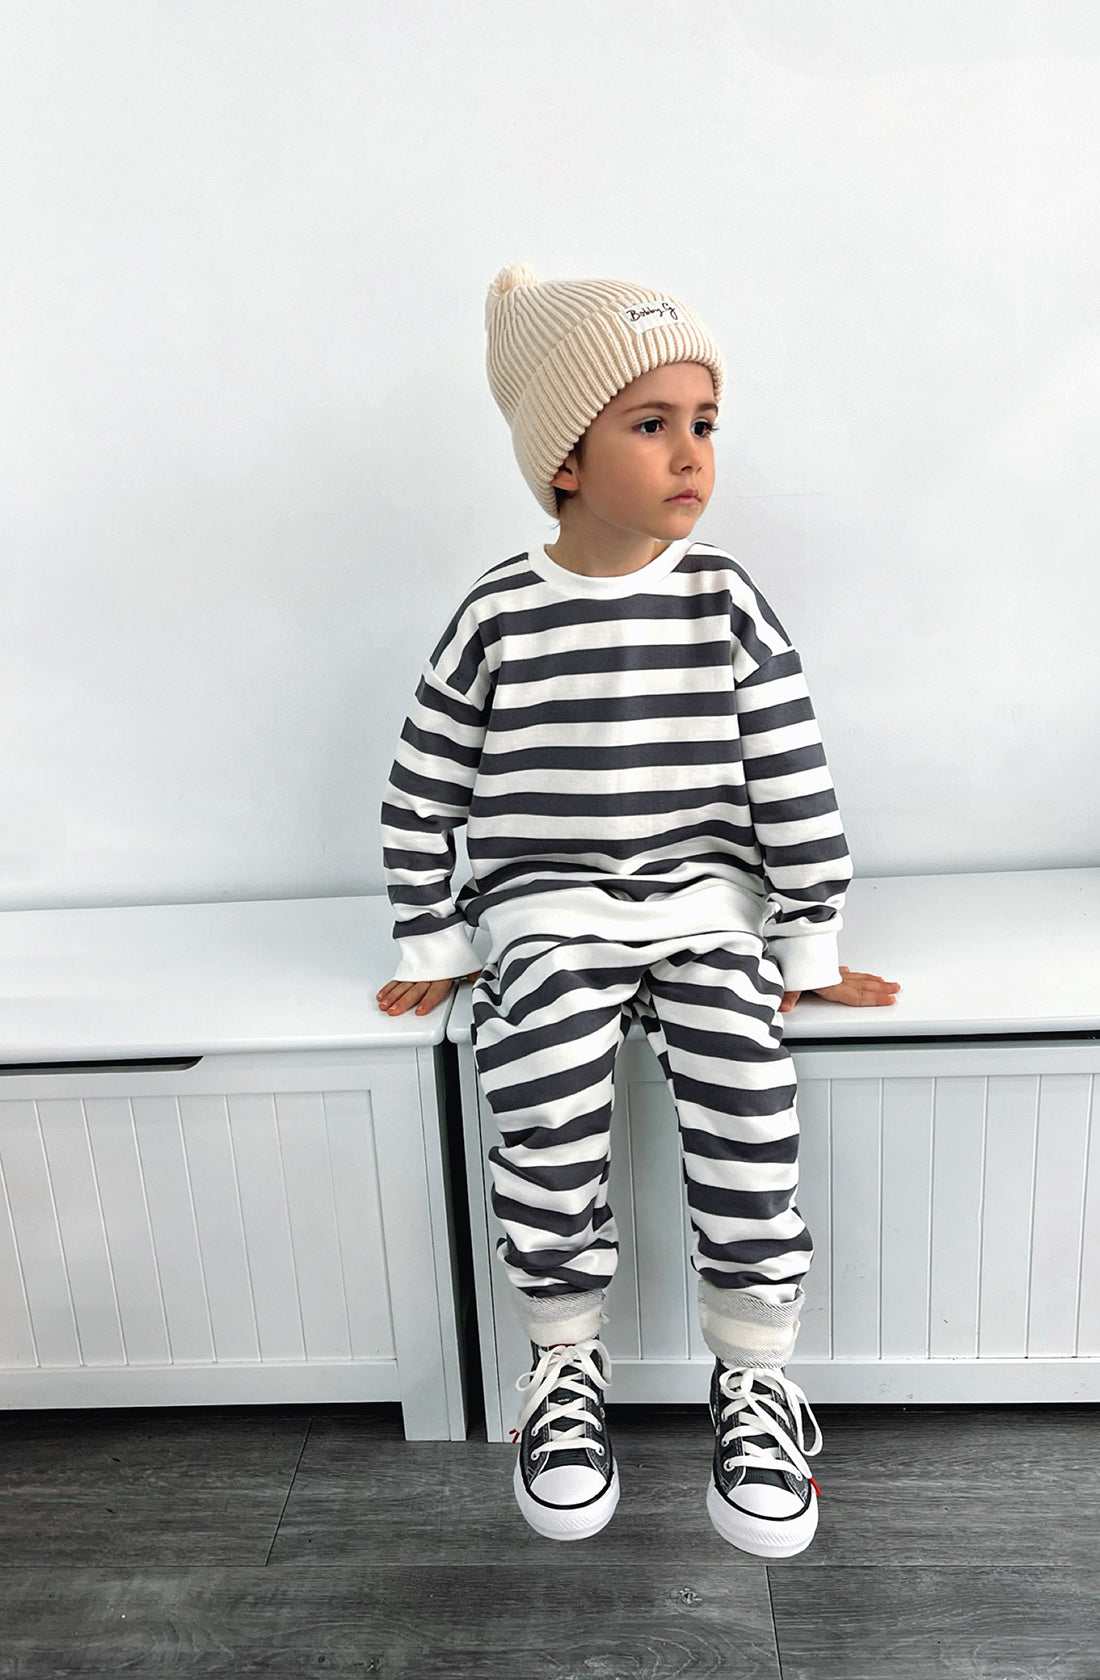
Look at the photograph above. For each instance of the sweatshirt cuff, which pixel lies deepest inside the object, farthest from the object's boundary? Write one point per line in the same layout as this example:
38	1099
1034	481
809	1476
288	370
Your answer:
446	955
806	960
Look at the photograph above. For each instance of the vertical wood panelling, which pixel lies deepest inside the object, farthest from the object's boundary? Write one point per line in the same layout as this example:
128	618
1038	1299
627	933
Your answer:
1012	1106
212	1176
917	1190
159	1227
110	1123
907	1111
814	1199
401	1142
303	1141
440	1197
80	1225
658	1212
159	1128
958	1145
483	1230
349	1121
512	1347
263	1196
856	1123
697	1347
1088	1318
17	1345
623	1334
1056	1229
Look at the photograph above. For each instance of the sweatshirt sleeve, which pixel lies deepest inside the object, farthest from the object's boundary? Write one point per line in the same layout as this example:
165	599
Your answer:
793	804
427	798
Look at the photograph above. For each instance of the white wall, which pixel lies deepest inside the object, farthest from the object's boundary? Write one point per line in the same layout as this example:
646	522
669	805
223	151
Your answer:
250	461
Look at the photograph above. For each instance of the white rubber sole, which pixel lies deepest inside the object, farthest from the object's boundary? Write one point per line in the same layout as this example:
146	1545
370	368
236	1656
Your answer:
755	1535
569	1523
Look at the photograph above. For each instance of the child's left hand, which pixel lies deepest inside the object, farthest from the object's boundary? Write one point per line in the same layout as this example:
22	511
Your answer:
862	991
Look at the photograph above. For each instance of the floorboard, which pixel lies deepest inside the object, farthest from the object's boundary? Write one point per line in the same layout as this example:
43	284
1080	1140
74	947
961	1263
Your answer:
164	1486
895	1623
471	1622
956	1543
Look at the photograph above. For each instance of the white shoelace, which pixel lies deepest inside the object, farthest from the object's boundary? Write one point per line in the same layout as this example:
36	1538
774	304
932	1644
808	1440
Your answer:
553	1372
738	1388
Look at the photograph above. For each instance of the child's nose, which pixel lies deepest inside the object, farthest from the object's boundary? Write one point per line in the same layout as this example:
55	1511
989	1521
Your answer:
690	449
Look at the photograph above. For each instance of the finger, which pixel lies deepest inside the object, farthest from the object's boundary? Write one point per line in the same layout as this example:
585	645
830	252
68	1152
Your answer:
405	996
434	995
403	1001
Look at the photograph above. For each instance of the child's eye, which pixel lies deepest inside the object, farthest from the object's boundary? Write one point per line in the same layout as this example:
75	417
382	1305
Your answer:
709	427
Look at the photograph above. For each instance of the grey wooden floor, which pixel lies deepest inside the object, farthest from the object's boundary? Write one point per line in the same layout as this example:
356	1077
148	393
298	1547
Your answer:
300	1541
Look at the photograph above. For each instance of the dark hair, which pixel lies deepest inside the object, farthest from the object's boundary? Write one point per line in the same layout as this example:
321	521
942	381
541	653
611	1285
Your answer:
563	496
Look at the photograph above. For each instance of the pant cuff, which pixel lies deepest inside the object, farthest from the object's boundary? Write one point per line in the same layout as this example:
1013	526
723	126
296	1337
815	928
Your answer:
746	1331
562	1318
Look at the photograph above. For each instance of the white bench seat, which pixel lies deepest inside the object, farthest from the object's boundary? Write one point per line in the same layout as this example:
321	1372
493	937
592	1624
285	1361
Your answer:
950	1165
222	1169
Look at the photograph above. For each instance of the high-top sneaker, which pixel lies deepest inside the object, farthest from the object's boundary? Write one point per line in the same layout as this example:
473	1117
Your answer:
566	1480
762	1497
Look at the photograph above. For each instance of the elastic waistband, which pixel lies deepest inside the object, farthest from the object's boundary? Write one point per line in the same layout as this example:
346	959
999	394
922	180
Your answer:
579	912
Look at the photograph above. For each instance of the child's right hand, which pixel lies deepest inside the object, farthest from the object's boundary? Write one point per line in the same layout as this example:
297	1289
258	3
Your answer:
397	996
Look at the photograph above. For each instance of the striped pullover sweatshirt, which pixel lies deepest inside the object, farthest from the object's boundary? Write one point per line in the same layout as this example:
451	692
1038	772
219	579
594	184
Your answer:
635	757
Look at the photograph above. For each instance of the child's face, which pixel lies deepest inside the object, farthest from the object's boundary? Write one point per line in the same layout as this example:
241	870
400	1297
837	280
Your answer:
648	446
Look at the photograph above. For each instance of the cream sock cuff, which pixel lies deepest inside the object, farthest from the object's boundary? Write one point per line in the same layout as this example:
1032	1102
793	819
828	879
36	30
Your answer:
562	1318
744	1330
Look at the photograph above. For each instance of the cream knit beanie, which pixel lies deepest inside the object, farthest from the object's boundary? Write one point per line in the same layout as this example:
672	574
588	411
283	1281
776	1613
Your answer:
559	350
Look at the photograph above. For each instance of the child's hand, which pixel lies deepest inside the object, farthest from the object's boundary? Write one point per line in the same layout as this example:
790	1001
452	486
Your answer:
397	996
862	991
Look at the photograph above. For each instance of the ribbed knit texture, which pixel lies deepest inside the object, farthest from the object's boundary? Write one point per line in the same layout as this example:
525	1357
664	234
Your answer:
633	735
559	350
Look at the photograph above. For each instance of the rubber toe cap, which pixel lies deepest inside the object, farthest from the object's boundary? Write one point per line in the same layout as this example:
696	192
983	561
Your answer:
568	1484
764	1501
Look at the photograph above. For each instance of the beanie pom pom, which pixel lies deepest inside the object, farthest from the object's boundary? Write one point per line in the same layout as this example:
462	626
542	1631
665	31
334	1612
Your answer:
516	274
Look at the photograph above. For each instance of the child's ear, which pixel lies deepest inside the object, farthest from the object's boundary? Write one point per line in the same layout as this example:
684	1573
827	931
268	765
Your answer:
565	478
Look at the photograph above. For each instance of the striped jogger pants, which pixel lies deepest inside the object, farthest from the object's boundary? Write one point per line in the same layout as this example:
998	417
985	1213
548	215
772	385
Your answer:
549	1016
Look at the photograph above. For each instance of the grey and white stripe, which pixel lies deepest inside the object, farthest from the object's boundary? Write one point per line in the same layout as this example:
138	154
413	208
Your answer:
549	1016
636	738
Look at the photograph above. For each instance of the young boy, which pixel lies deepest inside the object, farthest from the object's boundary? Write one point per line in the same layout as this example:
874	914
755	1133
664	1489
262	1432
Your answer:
622	722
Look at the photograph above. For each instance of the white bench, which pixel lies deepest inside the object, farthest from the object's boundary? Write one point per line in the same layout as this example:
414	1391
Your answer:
950	1165
255	1207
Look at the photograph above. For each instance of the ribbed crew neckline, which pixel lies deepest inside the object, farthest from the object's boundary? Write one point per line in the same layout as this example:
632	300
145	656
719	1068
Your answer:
629	583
